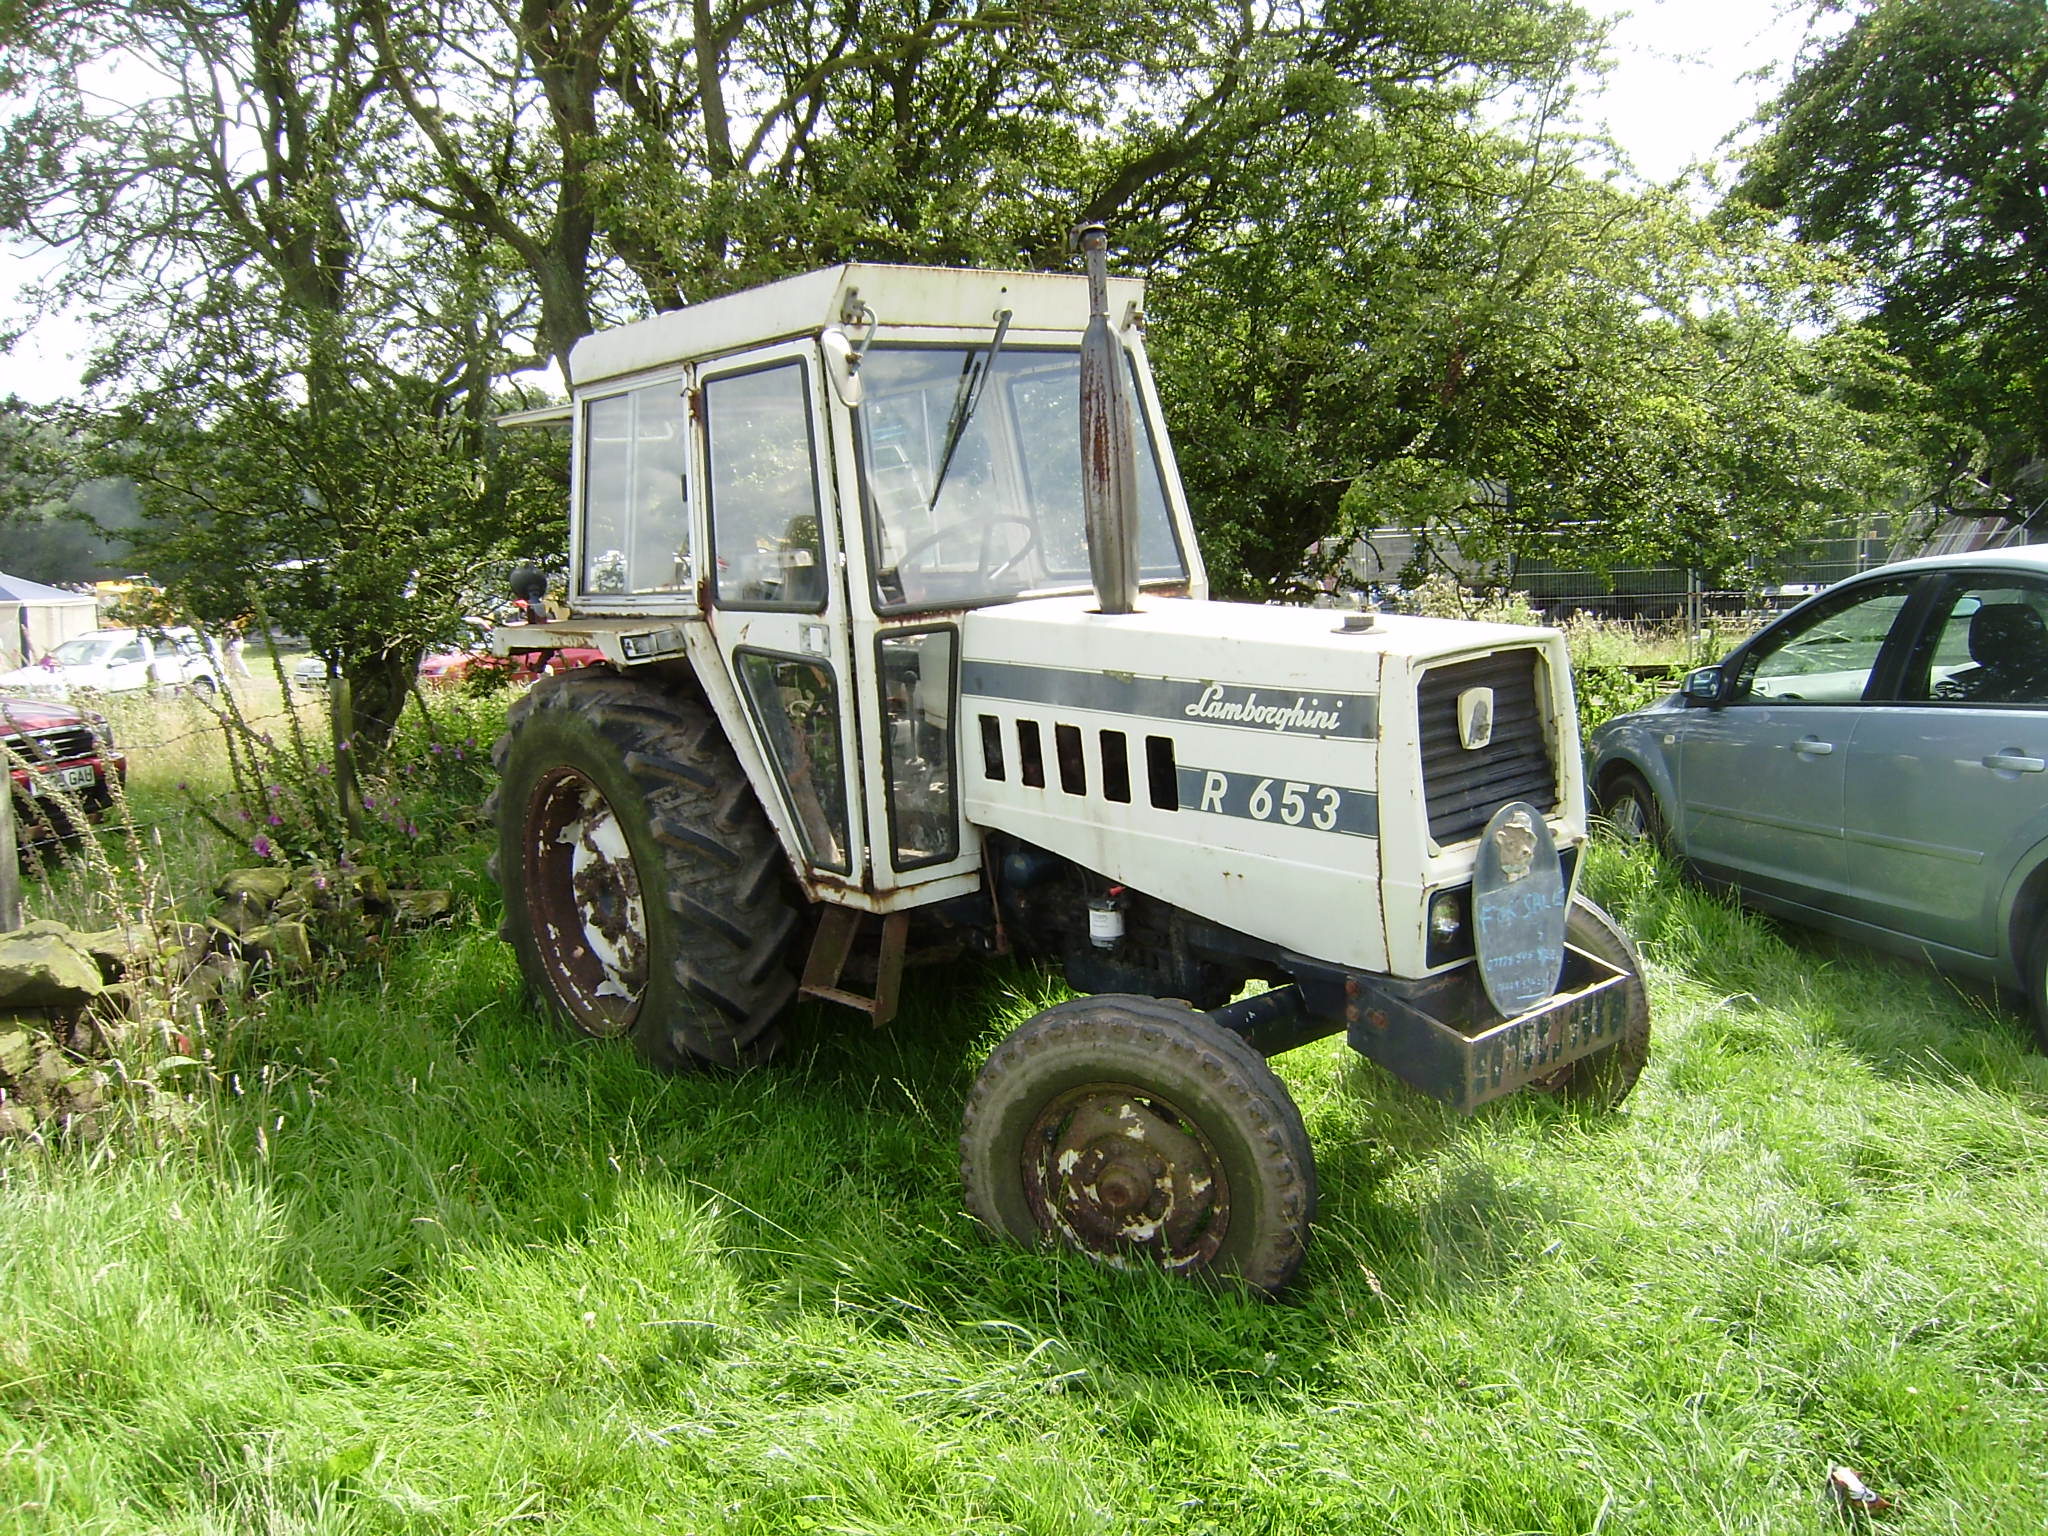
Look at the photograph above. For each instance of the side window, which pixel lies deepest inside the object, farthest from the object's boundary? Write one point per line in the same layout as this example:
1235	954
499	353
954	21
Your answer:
132	651
1825	656
797	705
917	705
636	528
1987	644
764	492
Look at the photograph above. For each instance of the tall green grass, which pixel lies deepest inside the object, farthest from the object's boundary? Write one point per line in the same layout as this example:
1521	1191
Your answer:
432	1265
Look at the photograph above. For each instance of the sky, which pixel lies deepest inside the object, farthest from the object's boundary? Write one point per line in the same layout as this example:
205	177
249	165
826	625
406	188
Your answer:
1679	86
1681	82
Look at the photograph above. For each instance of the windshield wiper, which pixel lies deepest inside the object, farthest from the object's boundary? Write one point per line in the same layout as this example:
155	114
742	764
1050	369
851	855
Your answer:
973	381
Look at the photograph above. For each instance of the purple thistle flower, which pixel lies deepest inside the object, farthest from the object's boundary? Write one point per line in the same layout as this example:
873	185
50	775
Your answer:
261	847
245	815
276	820
369	802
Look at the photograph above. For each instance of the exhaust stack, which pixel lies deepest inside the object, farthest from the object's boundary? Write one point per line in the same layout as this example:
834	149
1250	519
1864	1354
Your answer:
1109	463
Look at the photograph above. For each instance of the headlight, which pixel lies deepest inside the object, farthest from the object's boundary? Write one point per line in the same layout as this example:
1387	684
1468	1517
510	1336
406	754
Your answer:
102	731
1450	931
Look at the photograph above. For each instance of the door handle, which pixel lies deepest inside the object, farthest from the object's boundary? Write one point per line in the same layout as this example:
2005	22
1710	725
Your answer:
2013	761
1813	746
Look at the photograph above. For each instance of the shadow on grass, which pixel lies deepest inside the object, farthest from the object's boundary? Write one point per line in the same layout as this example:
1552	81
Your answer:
418	1126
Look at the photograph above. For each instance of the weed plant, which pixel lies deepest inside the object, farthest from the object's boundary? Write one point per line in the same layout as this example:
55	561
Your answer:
434	1265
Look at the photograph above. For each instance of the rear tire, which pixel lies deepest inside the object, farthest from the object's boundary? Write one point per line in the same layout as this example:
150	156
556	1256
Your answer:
1135	1130
644	888
2037	985
1603	1079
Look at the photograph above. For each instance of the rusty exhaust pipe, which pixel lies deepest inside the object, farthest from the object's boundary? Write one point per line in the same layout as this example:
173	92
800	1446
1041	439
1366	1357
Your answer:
1109	461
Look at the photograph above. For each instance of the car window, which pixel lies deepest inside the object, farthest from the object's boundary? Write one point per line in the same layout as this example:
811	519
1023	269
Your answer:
1826	654
1988	644
132	651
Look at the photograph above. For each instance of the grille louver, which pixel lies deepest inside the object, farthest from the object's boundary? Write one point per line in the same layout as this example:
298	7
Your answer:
1462	789
54	746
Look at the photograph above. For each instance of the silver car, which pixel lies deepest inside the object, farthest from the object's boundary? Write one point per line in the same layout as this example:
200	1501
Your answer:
120	661
1871	763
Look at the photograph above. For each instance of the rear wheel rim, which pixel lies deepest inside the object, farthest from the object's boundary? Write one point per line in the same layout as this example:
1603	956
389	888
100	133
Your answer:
1115	1172
583	903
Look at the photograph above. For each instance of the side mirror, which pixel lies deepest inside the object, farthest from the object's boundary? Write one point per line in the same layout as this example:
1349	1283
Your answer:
842	364
1702	685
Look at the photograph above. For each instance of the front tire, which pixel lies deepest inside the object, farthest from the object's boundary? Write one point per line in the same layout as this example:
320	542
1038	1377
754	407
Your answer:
1630	807
1135	1130
1603	1079
644	889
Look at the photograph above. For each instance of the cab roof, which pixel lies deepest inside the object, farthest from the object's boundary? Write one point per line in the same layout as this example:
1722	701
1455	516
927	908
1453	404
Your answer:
929	300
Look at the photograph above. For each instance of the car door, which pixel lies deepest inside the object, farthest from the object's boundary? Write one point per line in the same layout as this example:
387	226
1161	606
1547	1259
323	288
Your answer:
1948	779
1761	774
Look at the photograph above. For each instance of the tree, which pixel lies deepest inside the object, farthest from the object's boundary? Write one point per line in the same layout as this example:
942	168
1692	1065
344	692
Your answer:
1917	139
1473	335
302	376
56	524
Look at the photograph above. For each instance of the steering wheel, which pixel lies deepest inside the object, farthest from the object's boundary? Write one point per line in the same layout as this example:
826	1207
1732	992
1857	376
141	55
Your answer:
917	547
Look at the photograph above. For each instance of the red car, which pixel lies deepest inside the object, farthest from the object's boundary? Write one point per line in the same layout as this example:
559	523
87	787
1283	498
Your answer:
57	757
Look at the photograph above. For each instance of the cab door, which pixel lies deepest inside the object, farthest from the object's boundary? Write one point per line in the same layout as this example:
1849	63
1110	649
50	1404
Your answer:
777	597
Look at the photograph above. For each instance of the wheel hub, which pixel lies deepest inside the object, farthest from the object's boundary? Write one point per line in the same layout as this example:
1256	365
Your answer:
583	894
1115	1173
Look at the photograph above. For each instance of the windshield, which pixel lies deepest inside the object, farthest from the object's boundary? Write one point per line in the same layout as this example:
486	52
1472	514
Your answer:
1000	514
97	649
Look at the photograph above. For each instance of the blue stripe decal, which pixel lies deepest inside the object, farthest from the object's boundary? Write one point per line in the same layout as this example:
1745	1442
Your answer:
1290	802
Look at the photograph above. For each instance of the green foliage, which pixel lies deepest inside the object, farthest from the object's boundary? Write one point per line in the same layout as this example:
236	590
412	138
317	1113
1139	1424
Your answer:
1603	691
1468	334
56	524
1917	139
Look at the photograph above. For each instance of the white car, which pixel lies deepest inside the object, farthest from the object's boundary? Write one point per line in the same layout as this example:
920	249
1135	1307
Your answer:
120	661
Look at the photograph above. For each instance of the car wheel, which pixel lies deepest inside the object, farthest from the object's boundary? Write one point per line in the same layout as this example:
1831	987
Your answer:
2037	983
202	688
1630	808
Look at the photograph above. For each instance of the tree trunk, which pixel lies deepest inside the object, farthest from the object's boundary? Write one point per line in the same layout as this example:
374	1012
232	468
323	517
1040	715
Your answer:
377	691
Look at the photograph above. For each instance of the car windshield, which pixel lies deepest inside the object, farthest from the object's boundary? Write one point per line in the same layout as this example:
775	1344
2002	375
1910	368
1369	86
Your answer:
971	473
96	649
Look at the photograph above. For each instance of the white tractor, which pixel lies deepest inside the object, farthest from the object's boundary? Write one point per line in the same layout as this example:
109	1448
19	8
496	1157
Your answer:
909	649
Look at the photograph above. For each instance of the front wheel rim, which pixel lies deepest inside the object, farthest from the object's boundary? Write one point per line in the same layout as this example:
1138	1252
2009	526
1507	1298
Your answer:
583	903
1114	1172
1629	818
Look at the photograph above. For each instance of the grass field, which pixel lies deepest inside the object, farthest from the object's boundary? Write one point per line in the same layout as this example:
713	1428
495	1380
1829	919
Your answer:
423	1263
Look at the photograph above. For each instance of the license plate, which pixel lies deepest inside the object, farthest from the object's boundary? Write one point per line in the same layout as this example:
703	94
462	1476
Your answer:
83	776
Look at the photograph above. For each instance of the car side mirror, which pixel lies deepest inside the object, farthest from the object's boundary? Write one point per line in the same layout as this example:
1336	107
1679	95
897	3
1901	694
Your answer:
1702	685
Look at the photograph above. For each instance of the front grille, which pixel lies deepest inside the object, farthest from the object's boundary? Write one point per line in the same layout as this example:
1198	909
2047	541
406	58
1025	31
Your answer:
54	746
1462	789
